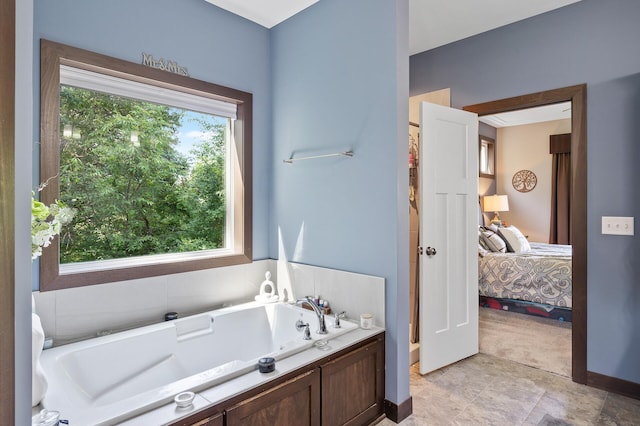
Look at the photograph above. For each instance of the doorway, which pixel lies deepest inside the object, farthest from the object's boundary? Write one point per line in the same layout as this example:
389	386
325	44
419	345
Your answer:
577	96
526	297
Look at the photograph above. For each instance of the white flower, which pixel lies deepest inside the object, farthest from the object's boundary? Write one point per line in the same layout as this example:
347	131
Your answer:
65	215
35	252
43	237
46	223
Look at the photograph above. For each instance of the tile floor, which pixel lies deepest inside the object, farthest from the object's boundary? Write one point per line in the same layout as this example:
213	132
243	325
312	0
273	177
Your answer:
486	390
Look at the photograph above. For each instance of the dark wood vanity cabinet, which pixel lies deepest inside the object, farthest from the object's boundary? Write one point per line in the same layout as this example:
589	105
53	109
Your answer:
353	387
345	388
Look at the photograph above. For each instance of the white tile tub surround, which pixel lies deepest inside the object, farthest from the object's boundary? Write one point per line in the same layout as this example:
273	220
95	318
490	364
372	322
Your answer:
345	291
294	281
81	313
192	292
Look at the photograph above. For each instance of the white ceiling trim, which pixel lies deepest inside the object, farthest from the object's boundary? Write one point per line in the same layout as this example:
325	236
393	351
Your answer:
541	114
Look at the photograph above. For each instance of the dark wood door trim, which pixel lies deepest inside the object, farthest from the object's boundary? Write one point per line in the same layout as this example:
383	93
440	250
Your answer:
7	202
577	95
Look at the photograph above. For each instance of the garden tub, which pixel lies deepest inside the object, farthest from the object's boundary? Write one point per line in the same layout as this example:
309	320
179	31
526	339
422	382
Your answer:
108	379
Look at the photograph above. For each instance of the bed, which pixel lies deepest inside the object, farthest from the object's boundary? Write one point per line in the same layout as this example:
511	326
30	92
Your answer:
535	280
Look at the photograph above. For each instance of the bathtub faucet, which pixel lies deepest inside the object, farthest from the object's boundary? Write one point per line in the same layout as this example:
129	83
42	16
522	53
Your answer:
322	327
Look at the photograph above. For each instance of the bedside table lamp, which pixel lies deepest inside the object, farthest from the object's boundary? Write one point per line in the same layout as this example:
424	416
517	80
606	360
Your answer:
496	204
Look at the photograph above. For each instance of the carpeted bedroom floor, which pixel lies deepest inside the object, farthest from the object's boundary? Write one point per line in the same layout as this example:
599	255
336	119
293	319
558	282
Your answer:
534	341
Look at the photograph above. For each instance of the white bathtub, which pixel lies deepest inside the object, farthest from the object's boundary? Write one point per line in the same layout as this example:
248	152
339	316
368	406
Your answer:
106	380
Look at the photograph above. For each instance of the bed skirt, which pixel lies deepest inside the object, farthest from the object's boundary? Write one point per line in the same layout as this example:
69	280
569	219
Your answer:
529	308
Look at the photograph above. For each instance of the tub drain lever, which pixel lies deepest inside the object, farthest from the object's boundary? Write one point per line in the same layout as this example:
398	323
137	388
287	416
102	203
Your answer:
300	325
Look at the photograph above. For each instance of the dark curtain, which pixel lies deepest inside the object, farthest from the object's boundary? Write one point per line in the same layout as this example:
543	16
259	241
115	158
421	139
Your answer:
414	240
414	336
560	229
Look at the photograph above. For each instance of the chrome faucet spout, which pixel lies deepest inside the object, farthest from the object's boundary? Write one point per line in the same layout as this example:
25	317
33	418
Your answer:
322	327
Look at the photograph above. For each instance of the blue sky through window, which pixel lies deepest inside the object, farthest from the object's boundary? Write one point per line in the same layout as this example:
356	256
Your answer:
191	132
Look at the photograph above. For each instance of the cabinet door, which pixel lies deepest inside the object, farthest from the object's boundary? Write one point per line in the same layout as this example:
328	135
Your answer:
293	403
217	420
353	387
209	417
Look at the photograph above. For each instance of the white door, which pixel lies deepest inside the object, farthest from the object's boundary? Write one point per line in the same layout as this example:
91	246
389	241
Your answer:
448	236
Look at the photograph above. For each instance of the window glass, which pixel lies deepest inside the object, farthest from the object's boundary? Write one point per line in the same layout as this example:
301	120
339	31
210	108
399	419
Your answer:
487	157
144	178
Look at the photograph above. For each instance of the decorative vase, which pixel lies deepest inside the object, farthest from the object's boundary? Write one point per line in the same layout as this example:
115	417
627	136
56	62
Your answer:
38	380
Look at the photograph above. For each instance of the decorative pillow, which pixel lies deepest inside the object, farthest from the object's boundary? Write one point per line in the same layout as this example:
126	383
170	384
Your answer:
492	227
482	252
493	241
481	242
516	242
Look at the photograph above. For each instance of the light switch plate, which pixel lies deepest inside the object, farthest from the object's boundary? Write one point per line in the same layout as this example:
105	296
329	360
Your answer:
616	225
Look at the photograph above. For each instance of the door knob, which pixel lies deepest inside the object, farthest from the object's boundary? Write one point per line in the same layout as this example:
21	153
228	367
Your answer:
430	251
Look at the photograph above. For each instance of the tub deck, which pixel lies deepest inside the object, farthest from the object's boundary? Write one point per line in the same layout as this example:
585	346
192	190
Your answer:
109	379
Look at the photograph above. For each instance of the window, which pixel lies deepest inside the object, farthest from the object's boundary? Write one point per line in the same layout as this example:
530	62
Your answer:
158	166
487	157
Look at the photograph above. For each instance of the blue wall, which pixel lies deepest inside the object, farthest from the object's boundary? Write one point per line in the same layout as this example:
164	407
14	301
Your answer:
338	84
326	80
214	45
591	42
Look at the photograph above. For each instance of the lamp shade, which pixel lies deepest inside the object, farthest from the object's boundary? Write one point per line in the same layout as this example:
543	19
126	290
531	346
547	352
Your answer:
496	203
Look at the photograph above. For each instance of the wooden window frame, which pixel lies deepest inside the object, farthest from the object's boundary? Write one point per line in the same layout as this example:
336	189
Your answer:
52	56
491	156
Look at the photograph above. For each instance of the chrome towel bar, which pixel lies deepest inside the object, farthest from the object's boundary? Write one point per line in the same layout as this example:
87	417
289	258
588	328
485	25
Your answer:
336	154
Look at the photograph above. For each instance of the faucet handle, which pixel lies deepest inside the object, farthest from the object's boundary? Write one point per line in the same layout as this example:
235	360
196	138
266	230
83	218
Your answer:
336	323
300	326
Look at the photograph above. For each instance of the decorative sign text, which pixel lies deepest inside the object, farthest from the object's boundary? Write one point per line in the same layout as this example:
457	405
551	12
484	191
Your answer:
163	64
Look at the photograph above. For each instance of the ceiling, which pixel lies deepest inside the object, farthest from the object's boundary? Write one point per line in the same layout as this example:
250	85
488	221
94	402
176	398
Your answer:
267	13
432	23
529	116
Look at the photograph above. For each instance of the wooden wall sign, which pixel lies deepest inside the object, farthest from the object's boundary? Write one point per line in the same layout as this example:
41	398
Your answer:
524	180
